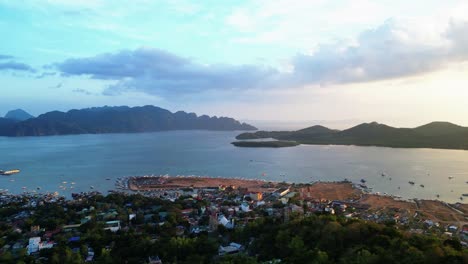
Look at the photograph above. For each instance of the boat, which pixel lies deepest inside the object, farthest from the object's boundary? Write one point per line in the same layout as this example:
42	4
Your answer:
450	177
9	172
422	185
465	194
411	182
363	181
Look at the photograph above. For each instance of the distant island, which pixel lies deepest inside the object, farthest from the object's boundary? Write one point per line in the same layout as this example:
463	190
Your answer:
122	119
18	115
265	144
441	135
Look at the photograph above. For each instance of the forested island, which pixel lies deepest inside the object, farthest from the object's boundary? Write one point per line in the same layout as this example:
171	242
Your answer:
122	119
265	144
442	135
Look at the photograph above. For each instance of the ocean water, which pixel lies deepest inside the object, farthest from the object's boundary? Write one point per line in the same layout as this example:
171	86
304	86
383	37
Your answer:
53	163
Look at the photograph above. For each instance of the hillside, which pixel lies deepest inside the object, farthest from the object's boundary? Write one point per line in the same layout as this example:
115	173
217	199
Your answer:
18	115
433	135
117	120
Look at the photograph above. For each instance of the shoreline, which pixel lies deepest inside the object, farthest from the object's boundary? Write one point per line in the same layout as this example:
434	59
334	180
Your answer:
342	191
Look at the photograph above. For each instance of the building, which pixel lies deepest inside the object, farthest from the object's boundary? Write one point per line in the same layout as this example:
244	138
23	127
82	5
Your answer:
232	248
33	245
113	226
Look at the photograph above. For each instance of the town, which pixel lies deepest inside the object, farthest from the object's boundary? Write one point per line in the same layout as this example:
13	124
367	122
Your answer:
161	219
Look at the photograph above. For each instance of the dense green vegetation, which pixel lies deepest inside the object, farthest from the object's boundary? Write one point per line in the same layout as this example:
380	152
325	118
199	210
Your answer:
434	135
265	144
312	239
122	119
326	239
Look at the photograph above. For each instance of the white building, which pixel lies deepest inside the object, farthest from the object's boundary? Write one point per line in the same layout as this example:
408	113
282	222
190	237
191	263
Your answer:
33	245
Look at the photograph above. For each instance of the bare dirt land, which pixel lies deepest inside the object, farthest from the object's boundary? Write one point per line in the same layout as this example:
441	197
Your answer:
378	202
330	191
439	211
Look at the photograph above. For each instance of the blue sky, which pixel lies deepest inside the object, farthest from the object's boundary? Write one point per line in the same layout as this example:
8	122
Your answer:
391	61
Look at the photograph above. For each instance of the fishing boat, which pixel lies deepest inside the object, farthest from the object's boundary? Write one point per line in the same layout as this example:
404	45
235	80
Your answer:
9	172
422	185
411	182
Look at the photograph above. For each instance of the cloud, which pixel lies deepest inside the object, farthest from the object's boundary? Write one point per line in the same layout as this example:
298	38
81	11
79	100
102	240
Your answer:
45	74
15	66
156	71
9	64
59	85
5	57
392	50
82	91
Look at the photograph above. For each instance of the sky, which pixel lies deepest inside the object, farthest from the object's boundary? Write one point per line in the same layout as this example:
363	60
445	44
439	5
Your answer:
404	63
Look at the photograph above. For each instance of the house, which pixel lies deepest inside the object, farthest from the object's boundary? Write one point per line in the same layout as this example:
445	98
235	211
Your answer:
74	239
452	228
232	248
329	210
68	228
281	192
222	220
113	226
429	223
46	245
154	260
85	219
35	228
245	207
258	196
33	245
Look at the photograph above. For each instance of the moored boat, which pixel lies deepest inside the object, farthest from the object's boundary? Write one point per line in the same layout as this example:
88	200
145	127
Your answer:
9	172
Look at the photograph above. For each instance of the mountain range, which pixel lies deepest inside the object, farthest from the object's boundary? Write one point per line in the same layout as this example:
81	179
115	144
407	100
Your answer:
121	119
442	135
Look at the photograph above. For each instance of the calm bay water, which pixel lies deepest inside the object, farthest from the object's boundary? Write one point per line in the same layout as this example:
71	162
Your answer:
89	160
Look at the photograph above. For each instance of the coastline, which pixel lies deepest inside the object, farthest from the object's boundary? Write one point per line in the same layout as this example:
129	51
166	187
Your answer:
322	192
